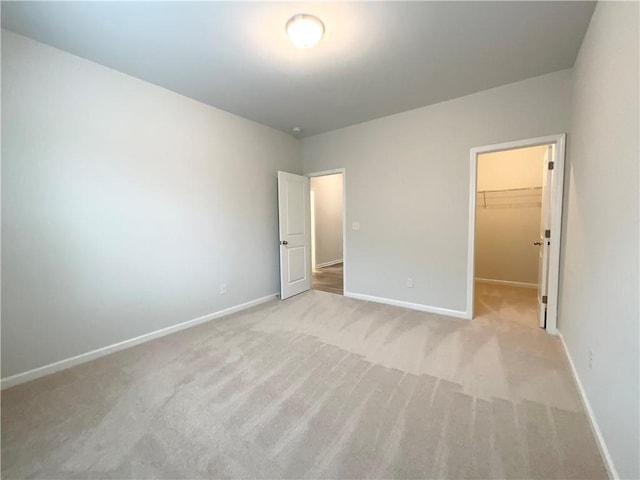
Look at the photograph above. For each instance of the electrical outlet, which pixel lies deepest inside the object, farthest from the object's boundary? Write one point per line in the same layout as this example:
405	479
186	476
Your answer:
590	359
355	226
223	288
410	282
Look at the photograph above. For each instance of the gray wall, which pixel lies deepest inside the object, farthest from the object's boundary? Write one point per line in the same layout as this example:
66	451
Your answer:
328	217
124	206
408	184
599	276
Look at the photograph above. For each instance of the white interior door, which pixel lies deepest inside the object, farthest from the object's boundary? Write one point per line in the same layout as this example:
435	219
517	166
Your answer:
295	234
544	238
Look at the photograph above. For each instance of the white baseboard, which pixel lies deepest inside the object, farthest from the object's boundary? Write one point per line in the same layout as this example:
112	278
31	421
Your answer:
101	352
507	282
412	306
328	264
602	446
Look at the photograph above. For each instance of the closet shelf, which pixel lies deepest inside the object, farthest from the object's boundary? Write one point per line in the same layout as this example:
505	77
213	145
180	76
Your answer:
513	205
506	197
524	189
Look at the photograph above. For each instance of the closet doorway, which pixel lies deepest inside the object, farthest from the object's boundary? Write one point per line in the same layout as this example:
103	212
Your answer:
515	237
327	231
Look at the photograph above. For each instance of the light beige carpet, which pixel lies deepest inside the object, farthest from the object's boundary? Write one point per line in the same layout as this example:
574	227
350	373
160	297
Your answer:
500	303
318	386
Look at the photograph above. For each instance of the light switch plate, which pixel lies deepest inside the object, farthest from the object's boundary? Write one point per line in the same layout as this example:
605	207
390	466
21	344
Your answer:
355	226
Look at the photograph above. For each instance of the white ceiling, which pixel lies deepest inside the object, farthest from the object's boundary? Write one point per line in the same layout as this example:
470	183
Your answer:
376	59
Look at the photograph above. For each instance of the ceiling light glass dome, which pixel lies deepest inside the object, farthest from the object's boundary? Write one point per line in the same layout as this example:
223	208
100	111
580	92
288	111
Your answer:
305	31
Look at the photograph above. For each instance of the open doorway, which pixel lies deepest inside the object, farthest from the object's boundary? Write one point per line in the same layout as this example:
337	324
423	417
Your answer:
515	231
508	213
327	231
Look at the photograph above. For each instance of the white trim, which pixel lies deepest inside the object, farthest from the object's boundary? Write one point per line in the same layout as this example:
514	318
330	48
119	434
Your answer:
324	173
471	247
343	171
506	283
597	433
556	221
312	209
556	235
328	264
412	306
116	347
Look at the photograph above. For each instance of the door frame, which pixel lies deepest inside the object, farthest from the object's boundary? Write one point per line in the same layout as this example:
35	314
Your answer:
324	173
312	207
557	189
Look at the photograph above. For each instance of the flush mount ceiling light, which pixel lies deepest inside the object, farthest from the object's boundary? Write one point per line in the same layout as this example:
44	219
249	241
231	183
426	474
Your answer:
305	31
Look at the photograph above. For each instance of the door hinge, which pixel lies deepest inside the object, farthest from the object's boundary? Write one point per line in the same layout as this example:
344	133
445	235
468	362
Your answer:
550	165
544	299
547	234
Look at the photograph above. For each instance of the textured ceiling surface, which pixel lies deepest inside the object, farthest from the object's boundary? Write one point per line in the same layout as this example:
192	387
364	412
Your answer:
376	59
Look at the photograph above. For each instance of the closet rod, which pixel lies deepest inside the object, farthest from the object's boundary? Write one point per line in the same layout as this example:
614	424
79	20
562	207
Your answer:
514	205
511	190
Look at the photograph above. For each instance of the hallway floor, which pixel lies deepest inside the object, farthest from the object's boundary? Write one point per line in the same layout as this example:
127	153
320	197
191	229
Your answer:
329	279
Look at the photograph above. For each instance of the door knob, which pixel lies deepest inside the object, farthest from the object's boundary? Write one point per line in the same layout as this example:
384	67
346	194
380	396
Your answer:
284	242
537	243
